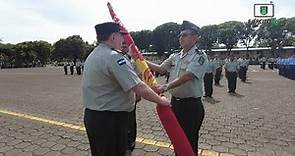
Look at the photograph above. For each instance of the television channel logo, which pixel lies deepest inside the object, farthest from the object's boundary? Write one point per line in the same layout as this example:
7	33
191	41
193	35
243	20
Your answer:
263	10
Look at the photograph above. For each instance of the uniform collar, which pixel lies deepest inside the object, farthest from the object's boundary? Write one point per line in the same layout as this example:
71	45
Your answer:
104	45
107	46
191	51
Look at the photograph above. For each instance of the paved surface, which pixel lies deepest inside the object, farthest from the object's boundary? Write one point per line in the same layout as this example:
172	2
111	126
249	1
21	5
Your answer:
258	121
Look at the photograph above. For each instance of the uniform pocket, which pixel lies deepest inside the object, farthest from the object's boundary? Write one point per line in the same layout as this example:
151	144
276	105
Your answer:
183	66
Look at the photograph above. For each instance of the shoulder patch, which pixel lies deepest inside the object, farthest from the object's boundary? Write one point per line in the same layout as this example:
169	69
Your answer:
201	60
121	61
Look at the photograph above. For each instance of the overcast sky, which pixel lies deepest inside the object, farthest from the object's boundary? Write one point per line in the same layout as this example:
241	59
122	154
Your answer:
50	20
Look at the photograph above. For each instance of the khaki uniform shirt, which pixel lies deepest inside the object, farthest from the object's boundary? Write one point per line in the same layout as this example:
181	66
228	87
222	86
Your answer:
243	62
211	67
232	66
107	81
194	61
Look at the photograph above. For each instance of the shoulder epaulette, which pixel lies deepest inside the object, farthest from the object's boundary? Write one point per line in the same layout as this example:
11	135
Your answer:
118	51
199	52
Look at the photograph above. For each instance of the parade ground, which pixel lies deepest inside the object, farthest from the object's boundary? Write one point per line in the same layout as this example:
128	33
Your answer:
41	113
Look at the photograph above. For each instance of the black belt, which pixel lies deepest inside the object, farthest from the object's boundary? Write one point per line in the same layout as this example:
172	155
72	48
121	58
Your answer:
177	98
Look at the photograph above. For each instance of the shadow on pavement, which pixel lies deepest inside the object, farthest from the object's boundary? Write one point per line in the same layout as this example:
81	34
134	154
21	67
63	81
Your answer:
247	82
236	95
211	100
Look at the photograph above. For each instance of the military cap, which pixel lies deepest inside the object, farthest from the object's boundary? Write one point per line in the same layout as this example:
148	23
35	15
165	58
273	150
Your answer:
188	25
108	28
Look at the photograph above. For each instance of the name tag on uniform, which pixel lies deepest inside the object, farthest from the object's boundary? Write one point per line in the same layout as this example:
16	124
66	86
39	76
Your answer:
121	61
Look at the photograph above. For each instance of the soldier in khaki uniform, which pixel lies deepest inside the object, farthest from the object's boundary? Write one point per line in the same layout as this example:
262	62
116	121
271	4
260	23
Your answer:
187	69
243	67
231	70
208	78
109	85
218	64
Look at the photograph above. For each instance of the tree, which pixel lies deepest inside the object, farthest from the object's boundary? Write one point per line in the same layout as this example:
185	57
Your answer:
24	54
229	34
59	50
43	50
89	48
209	35
165	37
290	25
72	48
273	33
142	39
7	55
248	32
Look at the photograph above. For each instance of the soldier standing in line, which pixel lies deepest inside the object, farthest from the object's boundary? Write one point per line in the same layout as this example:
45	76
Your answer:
72	67
231	70
271	62
78	67
66	64
82	66
263	62
218	64
208	78
243	67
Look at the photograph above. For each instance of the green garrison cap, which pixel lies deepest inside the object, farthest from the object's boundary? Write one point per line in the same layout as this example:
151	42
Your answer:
108	28
189	25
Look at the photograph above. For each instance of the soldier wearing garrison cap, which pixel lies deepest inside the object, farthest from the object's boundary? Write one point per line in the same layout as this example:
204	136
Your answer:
187	69
109	84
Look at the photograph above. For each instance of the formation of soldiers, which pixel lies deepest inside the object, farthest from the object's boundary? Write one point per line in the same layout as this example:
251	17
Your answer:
71	65
233	68
286	66
267	61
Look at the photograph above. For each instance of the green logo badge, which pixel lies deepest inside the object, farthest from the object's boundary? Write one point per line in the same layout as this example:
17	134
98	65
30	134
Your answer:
263	10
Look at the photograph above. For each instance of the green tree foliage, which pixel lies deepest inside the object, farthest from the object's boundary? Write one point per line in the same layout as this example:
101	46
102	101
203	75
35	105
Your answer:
290	25
43	50
7	55
88	49
165	37
229	34
142	39
248	32
72	48
209	35
24	54
273	33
